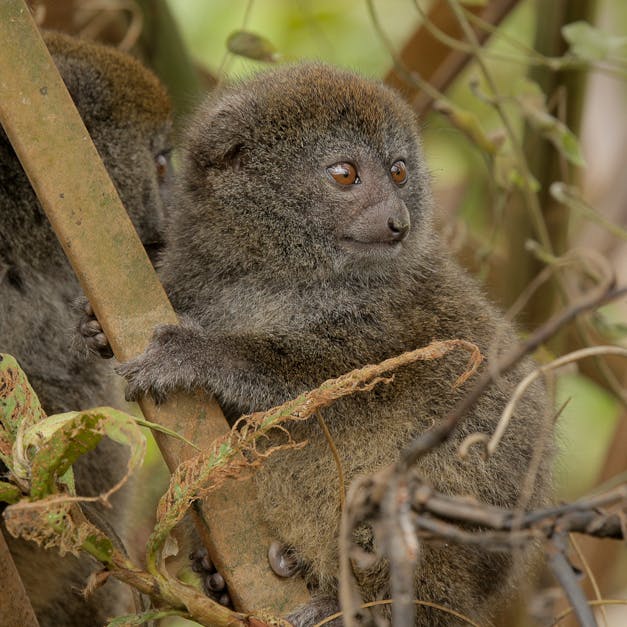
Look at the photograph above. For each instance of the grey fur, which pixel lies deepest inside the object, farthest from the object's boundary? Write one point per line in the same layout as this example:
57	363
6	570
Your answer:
126	112
275	297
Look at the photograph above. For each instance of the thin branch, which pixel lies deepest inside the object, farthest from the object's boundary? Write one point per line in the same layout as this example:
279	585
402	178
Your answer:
565	574
590	575
593	265
398	541
581	516
435	436
336	457
522	387
435	606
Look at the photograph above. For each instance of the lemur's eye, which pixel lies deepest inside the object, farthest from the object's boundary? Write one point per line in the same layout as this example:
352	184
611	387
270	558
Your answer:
344	173
162	164
398	172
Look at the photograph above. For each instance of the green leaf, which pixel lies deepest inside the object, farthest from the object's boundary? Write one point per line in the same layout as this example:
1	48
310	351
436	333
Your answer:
252	46
589	43
567	143
19	408
564	140
18	401
533	105
522	181
9	493
153	426
100	546
75	434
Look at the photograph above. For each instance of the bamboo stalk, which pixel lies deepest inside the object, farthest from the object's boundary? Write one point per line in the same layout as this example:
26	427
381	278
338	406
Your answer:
15	607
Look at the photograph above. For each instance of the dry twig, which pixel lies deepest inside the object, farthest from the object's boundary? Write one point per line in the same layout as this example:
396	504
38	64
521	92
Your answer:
400	507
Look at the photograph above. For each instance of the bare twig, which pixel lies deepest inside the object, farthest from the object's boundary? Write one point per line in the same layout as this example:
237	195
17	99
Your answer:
461	520
590	575
580	516
435	606
399	543
591	262
336	457
565	574
493	442
434	437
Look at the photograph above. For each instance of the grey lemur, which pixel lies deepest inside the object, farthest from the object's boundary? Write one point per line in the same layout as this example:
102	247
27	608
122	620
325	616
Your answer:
127	113
300	246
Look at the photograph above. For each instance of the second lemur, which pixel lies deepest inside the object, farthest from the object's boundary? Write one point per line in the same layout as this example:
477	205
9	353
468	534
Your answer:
301	246
127	113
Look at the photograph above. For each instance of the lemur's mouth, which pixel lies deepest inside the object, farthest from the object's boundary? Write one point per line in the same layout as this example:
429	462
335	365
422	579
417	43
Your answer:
375	247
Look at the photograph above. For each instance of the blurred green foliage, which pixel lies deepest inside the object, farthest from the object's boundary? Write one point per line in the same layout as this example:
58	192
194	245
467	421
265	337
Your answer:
337	32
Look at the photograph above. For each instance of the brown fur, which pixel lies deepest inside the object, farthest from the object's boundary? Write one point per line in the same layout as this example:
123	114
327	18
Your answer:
126	112
284	278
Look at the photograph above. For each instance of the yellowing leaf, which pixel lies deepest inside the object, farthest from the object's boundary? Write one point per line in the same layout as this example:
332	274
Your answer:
9	493
18	402
533	105
251	46
469	124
